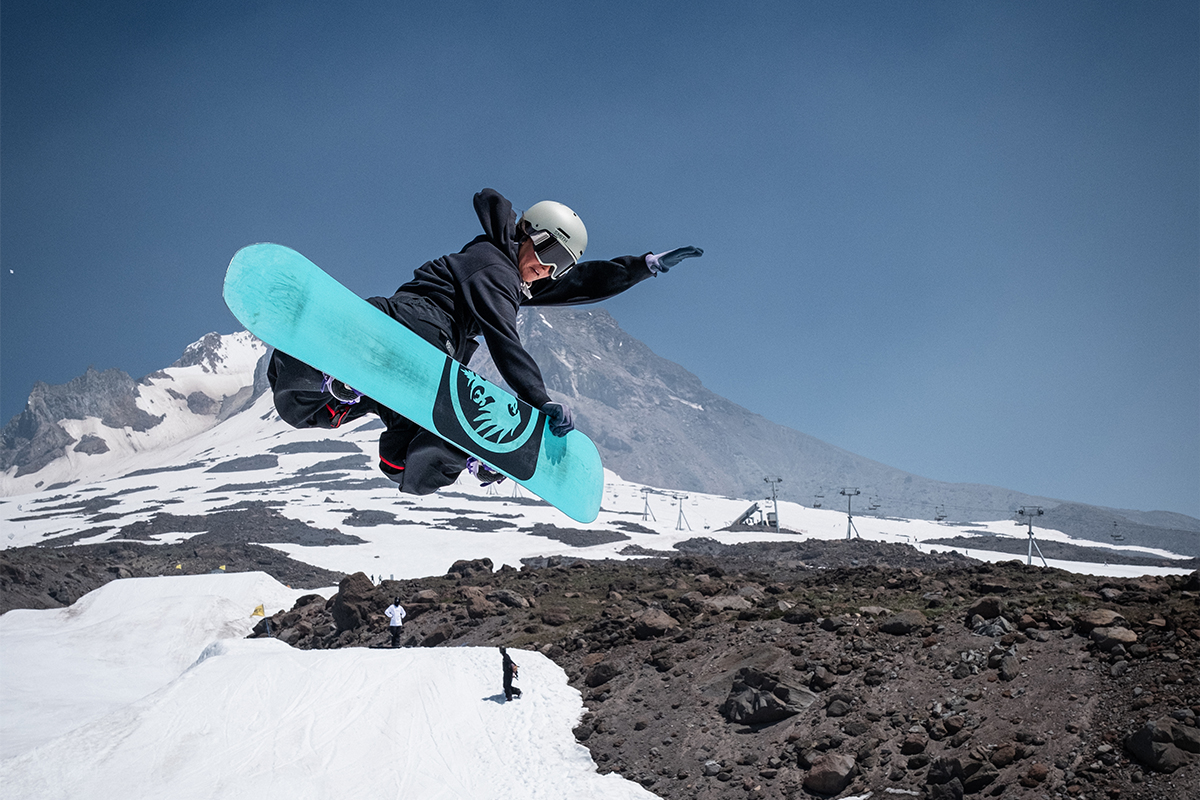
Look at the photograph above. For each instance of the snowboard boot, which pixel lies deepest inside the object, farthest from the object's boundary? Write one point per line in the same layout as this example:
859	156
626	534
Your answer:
340	391
486	475
347	401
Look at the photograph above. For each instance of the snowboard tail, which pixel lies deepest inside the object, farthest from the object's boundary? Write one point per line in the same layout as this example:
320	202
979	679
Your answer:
293	305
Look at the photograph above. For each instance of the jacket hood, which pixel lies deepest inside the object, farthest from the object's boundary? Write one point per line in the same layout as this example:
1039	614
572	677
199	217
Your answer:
499	221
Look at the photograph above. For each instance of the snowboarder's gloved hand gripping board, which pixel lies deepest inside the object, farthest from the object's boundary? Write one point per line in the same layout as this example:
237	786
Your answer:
291	304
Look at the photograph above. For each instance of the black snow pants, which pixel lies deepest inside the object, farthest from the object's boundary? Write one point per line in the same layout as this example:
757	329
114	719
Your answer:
419	461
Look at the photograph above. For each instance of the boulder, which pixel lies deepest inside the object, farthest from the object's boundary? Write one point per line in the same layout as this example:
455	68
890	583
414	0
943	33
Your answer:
798	615
977	774
987	607
725	602
465	569
508	598
967	774
757	698
1097	618
652	623
904	623
1035	776
601	674
1163	744
823	679
354	602
830	774
440	634
556	617
1108	638
1009	666
478	606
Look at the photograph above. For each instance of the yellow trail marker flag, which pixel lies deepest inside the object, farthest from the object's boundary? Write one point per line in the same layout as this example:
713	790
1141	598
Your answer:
179	566
222	568
259	612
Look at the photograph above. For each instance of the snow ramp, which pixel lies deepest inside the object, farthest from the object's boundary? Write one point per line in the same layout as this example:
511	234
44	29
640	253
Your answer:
256	718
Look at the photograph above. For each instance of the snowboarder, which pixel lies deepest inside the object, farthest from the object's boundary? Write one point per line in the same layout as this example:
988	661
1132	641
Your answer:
452	300
395	613
510	675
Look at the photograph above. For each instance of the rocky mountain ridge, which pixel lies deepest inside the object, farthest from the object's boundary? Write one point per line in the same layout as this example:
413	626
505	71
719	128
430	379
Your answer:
653	421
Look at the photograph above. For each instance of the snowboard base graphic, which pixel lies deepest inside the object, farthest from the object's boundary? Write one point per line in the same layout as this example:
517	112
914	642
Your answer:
291	304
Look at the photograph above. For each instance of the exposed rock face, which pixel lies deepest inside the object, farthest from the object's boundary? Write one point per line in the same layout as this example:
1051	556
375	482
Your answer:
35	437
208	353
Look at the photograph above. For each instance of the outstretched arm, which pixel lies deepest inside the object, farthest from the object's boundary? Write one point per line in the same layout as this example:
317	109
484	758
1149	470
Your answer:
593	281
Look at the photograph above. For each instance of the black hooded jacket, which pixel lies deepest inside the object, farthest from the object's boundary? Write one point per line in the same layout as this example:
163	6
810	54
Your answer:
478	290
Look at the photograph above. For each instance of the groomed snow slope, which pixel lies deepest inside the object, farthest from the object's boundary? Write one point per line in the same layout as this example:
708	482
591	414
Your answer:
256	718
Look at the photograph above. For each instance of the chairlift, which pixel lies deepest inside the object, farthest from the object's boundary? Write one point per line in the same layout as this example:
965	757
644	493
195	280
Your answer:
939	514
817	500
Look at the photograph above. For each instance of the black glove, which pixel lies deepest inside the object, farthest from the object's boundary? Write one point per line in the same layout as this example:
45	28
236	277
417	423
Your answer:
664	261
560	418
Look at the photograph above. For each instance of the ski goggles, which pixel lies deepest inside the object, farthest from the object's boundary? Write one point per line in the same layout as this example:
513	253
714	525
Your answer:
551	253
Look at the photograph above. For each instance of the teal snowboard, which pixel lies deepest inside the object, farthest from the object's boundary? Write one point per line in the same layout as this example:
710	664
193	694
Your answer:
291	304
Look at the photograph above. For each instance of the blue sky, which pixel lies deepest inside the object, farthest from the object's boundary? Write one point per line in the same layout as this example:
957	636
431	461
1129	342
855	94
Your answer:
959	238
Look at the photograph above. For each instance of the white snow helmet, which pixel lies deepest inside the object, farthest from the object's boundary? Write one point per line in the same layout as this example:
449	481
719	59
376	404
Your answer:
567	236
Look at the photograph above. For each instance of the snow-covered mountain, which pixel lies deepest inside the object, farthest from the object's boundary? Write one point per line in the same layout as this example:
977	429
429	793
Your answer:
88	428
654	422
218	463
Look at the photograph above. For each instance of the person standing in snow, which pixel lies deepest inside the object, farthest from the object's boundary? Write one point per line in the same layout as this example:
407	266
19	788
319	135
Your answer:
395	613
510	674
515	262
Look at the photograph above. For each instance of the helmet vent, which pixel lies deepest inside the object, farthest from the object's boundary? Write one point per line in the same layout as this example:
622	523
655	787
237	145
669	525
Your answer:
564	233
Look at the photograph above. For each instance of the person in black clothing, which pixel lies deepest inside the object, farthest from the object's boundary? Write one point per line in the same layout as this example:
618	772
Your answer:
510	672
452	300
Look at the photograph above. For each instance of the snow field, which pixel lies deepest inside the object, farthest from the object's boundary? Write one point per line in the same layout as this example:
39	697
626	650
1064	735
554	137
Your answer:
255	718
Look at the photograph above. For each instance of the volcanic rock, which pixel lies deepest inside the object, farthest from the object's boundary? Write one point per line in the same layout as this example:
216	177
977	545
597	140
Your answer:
757	698
1163	744
830	774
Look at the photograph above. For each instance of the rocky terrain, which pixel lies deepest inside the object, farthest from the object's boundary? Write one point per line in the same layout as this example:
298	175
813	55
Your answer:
830	669
55	576
810	669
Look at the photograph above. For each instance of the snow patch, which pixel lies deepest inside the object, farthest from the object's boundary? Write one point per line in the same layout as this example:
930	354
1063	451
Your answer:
696	406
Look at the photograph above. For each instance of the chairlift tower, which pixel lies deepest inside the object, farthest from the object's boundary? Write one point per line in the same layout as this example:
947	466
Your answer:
1029	512
850	492
679	523
646	512
774	499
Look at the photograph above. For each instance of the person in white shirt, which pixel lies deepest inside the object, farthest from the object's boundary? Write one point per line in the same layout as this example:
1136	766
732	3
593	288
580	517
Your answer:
395	613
